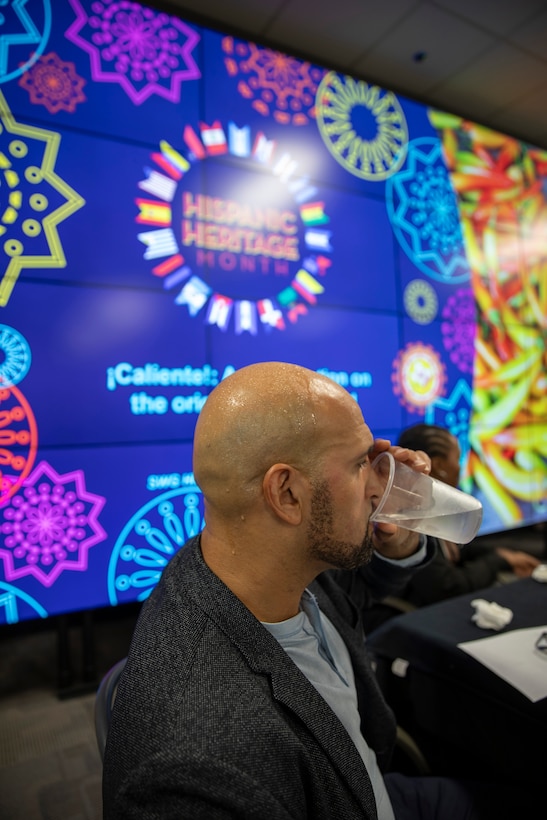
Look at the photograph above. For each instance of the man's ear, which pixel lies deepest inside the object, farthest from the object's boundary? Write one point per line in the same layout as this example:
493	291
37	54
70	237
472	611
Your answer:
285	491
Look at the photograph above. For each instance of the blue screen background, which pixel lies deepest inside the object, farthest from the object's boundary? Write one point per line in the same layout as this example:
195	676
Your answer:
115	325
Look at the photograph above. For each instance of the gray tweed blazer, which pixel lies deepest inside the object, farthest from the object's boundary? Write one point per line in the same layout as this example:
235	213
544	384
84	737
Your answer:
213	720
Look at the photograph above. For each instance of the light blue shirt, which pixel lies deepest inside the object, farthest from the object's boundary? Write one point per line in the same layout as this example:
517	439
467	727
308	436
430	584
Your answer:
316	647
411	560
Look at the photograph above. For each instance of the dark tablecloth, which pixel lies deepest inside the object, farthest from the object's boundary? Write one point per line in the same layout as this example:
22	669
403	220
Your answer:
468	720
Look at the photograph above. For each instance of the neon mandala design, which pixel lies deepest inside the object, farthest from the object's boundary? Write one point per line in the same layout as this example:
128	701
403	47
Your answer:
36	198
11	601
17	356
278	85
19	441
19	30
54	84
362	125
145	51
419	376
149	540
423	210
162	244
454	413
420	301
459	329
50	526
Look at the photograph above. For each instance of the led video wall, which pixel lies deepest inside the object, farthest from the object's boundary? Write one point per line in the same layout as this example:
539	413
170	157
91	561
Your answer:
176	203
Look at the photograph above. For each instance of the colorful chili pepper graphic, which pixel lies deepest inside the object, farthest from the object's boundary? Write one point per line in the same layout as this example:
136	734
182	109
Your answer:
501	186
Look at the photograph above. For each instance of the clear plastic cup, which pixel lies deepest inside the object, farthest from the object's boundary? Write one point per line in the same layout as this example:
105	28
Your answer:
418	502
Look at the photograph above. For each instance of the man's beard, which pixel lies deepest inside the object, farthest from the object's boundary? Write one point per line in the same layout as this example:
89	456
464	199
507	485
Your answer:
321	543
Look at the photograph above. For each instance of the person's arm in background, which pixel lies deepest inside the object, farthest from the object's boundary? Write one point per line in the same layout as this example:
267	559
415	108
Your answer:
443	578
521	563
371	583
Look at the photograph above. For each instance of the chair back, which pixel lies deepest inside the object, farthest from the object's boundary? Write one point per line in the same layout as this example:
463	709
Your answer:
104	701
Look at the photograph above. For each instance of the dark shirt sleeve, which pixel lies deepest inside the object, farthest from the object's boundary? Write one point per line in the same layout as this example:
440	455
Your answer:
368	585
442	578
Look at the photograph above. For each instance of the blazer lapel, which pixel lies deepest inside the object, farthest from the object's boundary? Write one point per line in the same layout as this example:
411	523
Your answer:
289	685
295	692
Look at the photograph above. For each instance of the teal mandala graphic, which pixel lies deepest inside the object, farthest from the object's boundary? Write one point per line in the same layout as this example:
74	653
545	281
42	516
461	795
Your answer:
423	210
24	32
13	600
149	540
15	356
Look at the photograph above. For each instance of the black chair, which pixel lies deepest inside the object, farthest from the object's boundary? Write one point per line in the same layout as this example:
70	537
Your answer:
408	758
104	701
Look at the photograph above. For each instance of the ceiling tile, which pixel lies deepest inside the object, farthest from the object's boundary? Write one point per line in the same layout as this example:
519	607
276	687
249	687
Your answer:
497	16
338	32
497	78
533	36
424	30
529	111
470	108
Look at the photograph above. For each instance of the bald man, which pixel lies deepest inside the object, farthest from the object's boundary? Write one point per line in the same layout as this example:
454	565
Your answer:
248	692
282	456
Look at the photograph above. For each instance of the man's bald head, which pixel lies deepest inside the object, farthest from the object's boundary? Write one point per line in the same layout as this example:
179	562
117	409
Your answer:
261	415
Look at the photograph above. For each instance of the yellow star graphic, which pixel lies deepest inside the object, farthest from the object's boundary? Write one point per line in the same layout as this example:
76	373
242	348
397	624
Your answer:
28	197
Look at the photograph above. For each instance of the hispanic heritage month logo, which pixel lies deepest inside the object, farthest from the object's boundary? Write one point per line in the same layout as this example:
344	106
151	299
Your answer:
251	252
362	125
34	200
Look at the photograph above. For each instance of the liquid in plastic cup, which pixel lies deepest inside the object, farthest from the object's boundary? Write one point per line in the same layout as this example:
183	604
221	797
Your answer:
418	502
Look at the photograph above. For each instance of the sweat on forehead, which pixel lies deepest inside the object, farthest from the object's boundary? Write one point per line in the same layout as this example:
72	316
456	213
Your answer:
272	411
285	385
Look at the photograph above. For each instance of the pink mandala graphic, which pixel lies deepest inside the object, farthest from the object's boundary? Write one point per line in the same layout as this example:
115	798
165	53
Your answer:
459	329
278	85
145	51
419	376
50	526
54	84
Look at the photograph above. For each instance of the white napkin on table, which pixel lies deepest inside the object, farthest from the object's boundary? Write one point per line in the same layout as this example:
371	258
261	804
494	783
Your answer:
490	615
540	573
